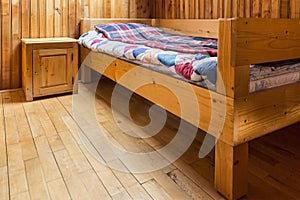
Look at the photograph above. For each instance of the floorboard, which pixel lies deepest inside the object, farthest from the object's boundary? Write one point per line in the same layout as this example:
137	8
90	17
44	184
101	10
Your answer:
43	154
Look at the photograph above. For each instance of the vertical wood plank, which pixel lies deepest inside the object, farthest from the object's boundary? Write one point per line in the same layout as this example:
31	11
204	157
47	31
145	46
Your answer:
25	18
266	8
16	45
208	9
228	9
107	8
79	14
192	9
6	44
234	8
248	4
0	46
295	9
50	18
202	9
182	9
197	9
186	9
173	9
143	8
72	18
275	9
57	18
215	9
241	8
34	23
256	9
285	8
64	12
133	9
42	16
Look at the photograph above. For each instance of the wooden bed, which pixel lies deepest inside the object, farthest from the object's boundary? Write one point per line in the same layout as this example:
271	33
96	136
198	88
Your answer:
241	42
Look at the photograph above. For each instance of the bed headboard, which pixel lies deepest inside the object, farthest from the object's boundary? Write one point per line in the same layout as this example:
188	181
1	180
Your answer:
192	27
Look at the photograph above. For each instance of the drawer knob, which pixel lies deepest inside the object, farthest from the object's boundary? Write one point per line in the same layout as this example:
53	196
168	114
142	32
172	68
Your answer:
36	73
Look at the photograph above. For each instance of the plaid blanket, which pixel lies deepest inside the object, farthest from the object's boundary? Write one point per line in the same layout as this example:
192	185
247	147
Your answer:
135	33
194	67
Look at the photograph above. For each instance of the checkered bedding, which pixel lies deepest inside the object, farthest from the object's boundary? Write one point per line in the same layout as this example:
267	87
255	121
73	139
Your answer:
193	59
194	67
135	33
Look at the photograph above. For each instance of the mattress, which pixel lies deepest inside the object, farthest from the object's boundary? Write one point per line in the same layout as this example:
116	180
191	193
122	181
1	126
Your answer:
195	59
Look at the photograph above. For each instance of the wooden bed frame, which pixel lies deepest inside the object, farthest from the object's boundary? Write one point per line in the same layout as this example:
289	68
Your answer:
241	42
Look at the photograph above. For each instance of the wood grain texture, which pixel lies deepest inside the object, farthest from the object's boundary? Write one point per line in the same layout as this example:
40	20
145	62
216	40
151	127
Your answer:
273	159
257	41
231	166
49	66
51	18
207	9
55	18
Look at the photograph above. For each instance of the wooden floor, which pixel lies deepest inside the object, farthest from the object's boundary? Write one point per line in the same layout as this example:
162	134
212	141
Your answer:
41	157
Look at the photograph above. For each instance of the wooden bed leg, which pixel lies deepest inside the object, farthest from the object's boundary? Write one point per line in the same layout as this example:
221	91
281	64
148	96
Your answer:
231	170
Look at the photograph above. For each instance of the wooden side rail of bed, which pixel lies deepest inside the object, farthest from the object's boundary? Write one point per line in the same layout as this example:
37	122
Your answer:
241	42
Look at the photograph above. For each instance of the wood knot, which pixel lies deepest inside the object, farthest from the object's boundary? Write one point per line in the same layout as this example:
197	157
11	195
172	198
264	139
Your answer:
236	162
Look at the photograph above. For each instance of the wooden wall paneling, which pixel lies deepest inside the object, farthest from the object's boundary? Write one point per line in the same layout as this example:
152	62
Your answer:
192	9
197	13
152	8
176	7
172	9
42	17
186	9
181	9
208	9
248	4
275	11
49	18
34	23
91	9
16	44
266	8
295	9
64	19
215	9
144	8
234	8
256	11
0	45
133	9
57	18
228	9
284	6
6	44
107	8
202	9
241	8
221	9
85	11
79	15
72	18
120	8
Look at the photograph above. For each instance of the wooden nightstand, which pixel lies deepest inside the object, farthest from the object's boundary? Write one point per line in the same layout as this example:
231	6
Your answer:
49	66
